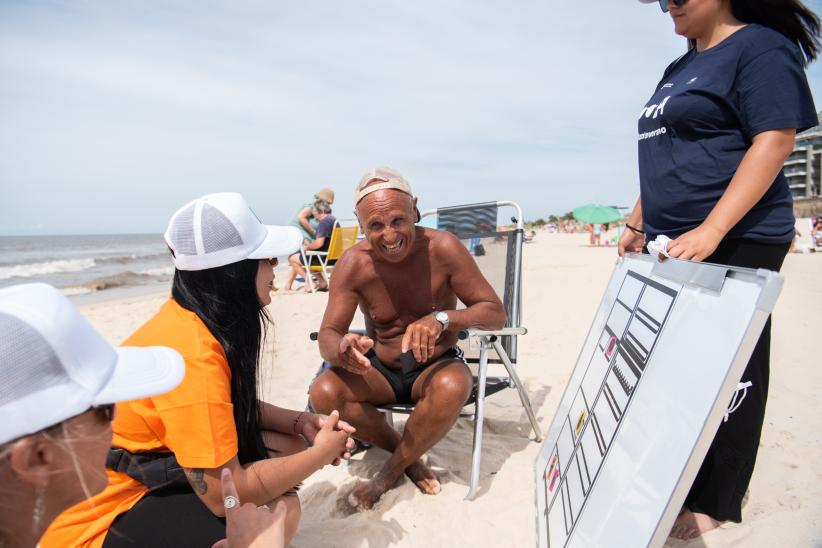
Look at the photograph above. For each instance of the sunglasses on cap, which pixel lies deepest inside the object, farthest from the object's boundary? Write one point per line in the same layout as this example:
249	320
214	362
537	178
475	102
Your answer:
663	4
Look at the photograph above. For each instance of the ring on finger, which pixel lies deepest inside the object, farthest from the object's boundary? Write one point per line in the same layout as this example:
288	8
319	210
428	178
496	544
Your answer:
230	502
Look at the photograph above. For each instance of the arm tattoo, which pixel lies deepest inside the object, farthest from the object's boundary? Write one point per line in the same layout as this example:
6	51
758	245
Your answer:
196	479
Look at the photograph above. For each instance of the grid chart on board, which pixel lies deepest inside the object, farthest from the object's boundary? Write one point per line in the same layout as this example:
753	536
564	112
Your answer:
613	373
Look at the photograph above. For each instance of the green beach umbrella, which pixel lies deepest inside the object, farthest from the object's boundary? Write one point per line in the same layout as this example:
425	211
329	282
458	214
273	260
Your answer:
596	214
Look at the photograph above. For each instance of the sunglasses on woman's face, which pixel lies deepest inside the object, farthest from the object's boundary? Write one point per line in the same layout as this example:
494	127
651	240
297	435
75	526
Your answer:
104	412
664	4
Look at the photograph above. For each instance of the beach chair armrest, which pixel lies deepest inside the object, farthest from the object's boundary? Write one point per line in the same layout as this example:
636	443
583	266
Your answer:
473	332
314	335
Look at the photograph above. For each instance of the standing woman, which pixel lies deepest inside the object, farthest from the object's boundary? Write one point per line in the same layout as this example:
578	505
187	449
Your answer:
168	451
712	142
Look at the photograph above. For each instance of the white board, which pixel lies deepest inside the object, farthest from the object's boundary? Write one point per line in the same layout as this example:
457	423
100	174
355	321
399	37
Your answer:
652	383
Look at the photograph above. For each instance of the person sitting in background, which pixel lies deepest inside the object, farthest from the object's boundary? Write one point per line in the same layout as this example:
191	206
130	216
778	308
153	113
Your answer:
816	233
322	240
168	451
305	220
61	380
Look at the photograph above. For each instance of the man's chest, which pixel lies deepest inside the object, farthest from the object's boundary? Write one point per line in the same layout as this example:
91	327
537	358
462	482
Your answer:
402	297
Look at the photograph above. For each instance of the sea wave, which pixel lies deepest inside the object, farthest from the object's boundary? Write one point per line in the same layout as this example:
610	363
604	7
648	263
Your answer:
122	279
71	291
159	271
124	259
48	267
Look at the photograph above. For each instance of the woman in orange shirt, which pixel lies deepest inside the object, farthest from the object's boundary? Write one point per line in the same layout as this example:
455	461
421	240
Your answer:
168	450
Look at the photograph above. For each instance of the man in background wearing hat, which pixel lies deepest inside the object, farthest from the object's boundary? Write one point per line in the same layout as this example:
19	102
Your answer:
406	280
304	218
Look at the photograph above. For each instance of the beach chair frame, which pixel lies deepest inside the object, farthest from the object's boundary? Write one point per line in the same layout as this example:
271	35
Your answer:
341	240
502	342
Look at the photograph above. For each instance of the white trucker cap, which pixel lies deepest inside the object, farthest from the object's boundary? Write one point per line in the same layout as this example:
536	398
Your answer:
219	229
55	365
385	177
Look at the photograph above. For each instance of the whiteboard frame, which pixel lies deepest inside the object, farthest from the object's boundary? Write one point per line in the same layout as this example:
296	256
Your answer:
709	277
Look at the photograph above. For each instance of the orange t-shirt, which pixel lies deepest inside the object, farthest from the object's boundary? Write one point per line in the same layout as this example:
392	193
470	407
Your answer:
195	421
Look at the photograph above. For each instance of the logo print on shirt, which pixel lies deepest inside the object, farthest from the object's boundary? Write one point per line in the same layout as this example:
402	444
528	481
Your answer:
652	111
668	85
692	80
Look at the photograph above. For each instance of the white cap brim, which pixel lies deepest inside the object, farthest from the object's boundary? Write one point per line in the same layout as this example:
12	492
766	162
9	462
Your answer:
142	372
281	241
648	1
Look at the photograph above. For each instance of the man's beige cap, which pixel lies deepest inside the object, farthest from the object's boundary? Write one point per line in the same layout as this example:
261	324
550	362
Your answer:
325	194
390	178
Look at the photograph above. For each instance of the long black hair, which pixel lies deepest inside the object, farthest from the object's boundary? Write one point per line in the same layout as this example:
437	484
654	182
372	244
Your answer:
225	299
788	17
791	18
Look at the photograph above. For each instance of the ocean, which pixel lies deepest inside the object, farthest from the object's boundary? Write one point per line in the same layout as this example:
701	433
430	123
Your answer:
87	264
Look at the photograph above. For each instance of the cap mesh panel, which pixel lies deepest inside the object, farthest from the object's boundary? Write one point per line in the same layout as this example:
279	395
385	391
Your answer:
218	232
182	232
27	362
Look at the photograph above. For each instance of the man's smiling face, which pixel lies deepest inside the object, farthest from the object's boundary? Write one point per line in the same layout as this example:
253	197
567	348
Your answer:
387	219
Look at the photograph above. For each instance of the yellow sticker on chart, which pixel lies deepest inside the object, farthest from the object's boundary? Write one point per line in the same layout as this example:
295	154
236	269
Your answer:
580	422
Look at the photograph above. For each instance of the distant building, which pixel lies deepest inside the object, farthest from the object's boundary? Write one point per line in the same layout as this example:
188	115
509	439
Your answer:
802	168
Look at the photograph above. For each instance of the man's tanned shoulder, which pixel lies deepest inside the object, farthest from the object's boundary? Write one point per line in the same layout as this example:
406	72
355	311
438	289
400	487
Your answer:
352	262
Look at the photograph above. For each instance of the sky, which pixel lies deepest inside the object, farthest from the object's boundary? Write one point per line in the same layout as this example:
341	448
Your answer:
115	113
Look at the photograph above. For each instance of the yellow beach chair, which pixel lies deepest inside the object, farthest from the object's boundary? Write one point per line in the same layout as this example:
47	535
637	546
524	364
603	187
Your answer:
342	237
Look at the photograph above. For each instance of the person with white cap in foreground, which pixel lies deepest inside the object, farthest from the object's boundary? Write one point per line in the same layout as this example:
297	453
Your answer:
406	279
169	451
60	380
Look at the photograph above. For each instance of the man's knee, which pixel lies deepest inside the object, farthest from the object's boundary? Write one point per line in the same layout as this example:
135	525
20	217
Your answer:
451	386
326	393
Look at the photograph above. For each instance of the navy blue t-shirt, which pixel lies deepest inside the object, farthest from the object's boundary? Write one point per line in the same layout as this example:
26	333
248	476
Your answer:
324	230
700	122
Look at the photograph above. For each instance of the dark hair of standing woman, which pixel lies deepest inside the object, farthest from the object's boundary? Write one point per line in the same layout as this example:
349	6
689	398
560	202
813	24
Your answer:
788	17
225	299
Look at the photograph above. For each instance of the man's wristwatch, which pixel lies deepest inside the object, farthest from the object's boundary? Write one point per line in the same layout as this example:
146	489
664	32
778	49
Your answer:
442	317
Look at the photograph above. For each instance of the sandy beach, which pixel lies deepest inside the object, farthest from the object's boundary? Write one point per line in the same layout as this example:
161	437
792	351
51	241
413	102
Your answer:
563	283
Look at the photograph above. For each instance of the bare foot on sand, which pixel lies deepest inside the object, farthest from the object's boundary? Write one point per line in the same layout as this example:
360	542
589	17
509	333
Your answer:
366	495
424	478
689	525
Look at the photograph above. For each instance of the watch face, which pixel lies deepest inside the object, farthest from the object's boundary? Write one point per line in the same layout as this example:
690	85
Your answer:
441	317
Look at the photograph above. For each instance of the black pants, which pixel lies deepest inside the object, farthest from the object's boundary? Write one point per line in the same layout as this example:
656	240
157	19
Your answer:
166	518
725	473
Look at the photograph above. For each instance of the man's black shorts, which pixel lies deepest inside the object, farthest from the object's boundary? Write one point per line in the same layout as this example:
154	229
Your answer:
401	380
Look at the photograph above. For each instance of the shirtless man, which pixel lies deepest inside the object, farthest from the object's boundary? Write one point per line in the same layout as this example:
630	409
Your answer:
406	280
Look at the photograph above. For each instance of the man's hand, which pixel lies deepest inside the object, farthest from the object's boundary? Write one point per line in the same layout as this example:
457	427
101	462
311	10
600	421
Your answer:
315	422
248	526
630	242
421	337
696	244
352	353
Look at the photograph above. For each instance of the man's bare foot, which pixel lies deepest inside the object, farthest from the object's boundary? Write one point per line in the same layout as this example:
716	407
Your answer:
424	478
366	495
689	525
